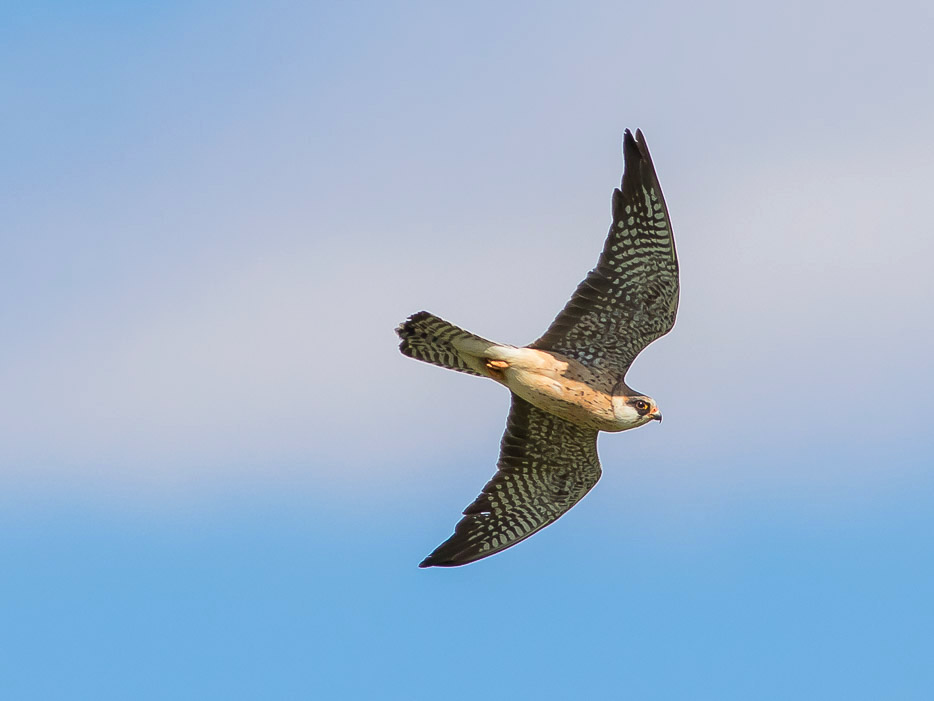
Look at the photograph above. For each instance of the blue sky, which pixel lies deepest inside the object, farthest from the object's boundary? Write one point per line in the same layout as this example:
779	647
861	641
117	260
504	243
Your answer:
217	475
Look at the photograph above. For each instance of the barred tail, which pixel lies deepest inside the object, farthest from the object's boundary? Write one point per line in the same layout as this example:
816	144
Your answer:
434	340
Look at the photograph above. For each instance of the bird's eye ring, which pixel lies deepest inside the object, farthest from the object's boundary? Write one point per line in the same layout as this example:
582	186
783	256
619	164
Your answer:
642	406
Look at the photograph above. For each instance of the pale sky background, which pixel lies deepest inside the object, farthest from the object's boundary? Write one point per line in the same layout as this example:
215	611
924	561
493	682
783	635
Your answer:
217	474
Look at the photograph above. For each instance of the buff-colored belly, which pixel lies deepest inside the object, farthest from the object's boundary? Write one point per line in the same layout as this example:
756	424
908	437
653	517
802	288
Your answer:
557	385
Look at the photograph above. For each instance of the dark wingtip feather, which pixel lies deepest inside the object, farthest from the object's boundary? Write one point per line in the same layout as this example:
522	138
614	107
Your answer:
627	138
445	555
434	560
638	167
634	148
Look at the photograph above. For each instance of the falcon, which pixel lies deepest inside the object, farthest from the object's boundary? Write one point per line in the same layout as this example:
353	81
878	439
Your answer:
570	384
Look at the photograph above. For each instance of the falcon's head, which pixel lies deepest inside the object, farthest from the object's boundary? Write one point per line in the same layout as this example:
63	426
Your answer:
634	410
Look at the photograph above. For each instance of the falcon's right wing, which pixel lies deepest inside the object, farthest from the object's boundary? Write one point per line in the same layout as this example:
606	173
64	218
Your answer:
631	297
546	465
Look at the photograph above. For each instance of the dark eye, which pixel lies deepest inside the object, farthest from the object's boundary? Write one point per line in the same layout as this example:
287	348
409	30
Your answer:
642	406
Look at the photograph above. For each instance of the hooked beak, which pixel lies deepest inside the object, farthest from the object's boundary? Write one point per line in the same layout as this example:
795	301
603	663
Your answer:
656	416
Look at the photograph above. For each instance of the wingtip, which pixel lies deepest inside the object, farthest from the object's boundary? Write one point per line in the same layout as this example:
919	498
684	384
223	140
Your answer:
628	141
633	147
637	161
446	556
634	143
431	561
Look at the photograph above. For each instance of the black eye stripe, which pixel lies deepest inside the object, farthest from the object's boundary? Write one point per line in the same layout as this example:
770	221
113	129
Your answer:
640	405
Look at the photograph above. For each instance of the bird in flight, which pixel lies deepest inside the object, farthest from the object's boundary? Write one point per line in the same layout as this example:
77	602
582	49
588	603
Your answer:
570	383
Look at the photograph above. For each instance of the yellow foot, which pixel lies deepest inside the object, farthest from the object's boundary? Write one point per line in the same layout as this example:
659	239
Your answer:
495	368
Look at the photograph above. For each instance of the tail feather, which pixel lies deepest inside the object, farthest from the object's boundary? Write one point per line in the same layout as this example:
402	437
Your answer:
433	340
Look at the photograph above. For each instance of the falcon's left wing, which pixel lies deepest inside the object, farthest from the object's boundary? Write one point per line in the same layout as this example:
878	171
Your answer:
631	297
546	465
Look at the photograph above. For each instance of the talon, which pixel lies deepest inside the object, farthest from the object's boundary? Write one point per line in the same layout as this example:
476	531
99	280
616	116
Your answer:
496	369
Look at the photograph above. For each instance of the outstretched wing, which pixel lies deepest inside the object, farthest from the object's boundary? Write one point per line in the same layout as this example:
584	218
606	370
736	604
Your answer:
631	297
546	465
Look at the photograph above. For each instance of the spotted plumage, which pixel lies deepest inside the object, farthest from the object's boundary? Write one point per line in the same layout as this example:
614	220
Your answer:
570	383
